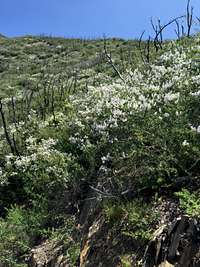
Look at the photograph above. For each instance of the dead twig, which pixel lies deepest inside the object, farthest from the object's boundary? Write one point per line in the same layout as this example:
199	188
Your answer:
189	17
110	61
7	136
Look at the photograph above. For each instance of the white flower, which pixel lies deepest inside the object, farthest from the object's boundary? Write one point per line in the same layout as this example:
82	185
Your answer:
166	115
171	97
31	140
195	129
106	158
185	143
195	94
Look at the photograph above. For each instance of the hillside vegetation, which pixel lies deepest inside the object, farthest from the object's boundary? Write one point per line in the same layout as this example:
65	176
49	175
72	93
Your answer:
99	147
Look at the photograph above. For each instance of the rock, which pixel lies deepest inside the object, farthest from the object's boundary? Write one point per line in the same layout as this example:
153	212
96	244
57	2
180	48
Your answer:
87	245
166	264
103	246
177	244
48	254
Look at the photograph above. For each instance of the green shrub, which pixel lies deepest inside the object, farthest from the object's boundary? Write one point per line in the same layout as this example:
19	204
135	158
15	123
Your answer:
136	218
189	202
14	238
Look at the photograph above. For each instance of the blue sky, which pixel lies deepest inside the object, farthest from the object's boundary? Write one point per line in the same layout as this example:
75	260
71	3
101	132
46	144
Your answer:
87	18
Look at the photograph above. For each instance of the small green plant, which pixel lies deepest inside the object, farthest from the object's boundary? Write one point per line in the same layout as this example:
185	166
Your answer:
135	218
64	234
14	238
18	233
189	202
126	261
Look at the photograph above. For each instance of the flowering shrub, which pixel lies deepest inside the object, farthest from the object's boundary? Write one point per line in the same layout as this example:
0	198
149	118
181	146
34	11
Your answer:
118	136
150	125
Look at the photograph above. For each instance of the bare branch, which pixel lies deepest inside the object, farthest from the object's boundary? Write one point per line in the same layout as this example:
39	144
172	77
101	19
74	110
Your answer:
161	32
102	193
189	18
165	26
110	61
148	50
5	128
140	46
177	31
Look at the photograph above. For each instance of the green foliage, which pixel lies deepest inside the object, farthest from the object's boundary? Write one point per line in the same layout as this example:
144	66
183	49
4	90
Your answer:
64	234
126	261
73	122
14	238
21	228
189	202
136	218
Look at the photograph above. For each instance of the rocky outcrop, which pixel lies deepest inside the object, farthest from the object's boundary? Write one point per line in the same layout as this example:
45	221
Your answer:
177	244
48	254
104	246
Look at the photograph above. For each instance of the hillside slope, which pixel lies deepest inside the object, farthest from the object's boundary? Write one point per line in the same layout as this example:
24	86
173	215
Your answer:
99	153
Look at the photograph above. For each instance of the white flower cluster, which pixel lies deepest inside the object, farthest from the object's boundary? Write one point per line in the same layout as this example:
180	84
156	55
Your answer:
36	151
8	100
106	107
195	129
